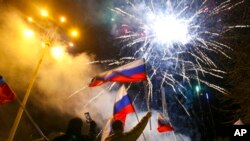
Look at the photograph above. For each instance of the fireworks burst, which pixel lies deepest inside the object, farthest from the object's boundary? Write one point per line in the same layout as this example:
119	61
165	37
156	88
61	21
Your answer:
182	42
177	38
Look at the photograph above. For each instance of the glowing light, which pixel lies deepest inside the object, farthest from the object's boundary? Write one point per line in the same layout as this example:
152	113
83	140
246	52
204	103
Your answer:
57	52
159	33
71	44
74	33
43	44
206	95
62	19
30	19
197	88
168	29
44	13
161	38
28	33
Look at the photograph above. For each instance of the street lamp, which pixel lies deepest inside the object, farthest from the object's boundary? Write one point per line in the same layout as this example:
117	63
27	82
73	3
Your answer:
44	13
74	33
71	44
26	96
57	52
28	33
30	19
62	19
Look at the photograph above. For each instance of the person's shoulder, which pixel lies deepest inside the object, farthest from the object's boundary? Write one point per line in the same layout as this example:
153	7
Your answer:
128	133
116	137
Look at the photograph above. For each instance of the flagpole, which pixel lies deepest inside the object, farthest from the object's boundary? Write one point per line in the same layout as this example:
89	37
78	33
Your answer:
136	115
148	102
138	122
31	119
163	99
145	90
164	108
164	104
26	96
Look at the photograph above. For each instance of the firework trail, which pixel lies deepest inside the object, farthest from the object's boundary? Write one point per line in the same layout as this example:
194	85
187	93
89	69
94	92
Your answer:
180	40
177	38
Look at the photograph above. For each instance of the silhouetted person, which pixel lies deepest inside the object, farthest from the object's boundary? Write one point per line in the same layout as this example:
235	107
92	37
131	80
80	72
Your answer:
132	135
74	131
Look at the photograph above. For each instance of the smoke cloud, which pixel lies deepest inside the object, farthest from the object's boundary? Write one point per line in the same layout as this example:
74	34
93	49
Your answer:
58	80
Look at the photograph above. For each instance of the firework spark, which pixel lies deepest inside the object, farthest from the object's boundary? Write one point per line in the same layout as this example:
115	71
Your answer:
177	38
180	41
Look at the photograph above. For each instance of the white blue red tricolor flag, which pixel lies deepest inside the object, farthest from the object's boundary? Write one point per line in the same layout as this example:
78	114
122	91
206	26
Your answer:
6	94
123	105
163	124
122	108
132	72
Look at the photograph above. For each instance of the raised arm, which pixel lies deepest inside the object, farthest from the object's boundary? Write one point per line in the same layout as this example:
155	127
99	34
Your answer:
135	133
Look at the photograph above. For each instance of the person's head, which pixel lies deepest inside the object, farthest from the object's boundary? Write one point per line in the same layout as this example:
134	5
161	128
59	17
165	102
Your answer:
117	125
74	126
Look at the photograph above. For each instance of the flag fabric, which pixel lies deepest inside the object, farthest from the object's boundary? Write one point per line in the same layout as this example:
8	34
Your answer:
6	94
122	108
123	105
107	130
132	72
163	124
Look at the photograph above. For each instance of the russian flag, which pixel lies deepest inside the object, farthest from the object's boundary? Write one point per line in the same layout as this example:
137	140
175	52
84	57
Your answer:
122	106
132	72
163	124
6	94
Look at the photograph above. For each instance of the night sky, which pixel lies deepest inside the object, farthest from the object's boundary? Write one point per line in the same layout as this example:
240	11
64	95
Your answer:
97	41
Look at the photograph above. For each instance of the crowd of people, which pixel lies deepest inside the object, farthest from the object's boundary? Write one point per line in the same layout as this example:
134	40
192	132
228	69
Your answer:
75	125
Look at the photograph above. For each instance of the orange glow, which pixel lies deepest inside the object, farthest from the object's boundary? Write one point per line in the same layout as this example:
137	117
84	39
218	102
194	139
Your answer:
74	33
28	33
30	19
44	13
71	44
57	52
62	19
